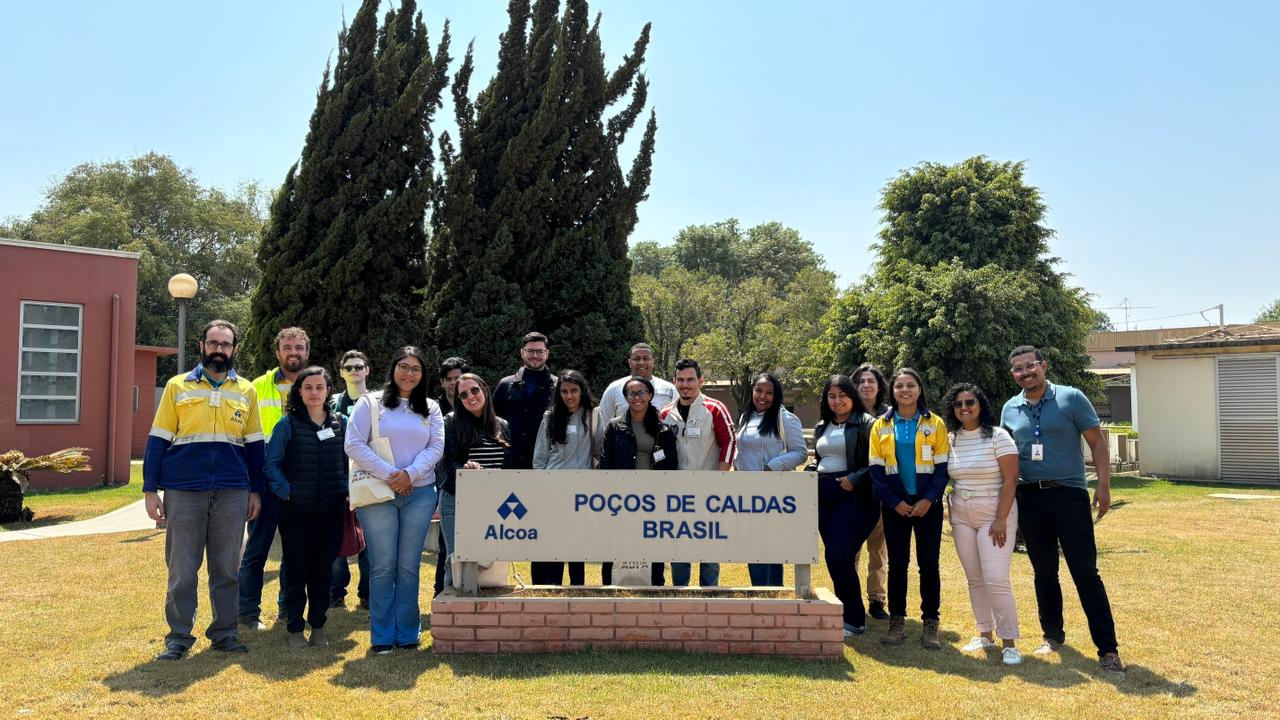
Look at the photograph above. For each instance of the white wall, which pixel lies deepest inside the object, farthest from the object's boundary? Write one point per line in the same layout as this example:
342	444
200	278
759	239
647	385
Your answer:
1177	414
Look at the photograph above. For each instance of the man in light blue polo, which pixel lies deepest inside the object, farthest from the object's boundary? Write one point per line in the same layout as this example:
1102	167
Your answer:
1047	422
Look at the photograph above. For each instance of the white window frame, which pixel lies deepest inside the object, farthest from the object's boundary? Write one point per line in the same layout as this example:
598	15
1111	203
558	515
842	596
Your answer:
79	353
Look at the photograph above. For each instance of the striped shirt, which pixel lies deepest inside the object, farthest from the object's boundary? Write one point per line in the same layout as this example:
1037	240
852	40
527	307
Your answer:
973	463
488	453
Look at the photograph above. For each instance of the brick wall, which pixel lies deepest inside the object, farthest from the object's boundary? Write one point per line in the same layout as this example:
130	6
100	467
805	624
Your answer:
798	628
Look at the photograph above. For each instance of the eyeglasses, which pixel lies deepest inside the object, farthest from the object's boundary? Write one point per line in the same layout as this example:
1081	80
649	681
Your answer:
1025	368
966	403
216	345
637	394
473	392
408	369
534	353
354	368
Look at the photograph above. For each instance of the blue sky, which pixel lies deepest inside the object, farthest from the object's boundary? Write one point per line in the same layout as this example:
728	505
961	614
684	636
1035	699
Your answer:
1151	128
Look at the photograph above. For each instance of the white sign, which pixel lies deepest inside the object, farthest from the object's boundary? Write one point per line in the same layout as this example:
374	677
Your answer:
650	516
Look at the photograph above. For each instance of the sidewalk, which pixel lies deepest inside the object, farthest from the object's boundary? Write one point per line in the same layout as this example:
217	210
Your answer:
125	519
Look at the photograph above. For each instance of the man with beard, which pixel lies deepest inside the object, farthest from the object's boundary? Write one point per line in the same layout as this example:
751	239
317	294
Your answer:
272	387
520	399
206	451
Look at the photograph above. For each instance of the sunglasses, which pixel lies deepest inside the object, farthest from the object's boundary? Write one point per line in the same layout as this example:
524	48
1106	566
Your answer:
353	368
473	392
968	403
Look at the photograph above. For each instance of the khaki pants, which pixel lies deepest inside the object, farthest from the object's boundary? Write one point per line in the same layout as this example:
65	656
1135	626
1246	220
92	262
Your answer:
877	564
986	565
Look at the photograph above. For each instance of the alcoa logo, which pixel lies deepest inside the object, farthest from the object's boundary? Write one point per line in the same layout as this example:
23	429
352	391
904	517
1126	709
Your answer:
511	506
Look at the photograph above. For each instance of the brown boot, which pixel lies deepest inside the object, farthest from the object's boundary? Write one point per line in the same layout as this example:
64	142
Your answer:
897	632
929	636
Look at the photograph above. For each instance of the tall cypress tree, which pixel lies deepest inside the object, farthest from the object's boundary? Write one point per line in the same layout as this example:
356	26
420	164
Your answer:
343	251
530	228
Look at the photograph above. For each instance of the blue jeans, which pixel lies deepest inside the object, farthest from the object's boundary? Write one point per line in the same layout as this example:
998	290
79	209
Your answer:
448	505
262	532
394	533
765	574
708	574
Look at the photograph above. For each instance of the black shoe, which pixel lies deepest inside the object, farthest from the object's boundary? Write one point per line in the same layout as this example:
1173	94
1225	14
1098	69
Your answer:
173	651
381	649
407	646
877	611
230	644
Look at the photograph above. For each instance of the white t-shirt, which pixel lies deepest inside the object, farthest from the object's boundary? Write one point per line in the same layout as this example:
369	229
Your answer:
612	403
973	463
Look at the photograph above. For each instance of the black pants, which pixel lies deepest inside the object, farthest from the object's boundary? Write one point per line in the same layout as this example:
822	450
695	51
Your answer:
309	542
897	539
1062	517
552	573
342	578
845	520
657	574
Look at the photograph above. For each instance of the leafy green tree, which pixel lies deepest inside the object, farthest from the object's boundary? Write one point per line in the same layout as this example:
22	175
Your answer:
650	258
760	330
150	206
676	307
962	277
1269	314
342	254
530	227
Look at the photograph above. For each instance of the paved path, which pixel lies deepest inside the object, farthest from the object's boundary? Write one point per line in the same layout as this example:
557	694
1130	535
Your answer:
126	519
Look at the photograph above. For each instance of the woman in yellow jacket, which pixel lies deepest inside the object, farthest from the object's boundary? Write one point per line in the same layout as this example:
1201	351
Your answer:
908	461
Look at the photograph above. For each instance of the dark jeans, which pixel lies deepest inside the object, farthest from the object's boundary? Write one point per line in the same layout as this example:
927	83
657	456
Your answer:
708	574
1061	517
765	574
657	574
202	523
442	558
342	578
262	532
844	522
310	542
552	573
897	539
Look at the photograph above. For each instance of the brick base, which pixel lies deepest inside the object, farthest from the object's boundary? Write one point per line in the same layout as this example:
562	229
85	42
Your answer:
796	628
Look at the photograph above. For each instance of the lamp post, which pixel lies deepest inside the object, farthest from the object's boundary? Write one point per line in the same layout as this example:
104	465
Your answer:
182	287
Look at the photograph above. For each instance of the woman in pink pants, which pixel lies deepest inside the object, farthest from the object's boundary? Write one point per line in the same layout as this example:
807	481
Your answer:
983	465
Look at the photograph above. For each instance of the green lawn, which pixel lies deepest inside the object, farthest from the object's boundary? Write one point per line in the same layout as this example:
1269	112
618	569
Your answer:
52	507
1192	580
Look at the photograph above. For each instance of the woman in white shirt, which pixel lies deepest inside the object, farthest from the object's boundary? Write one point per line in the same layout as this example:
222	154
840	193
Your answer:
983	465
770	437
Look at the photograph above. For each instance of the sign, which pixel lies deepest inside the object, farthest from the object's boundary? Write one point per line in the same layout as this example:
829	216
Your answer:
650	516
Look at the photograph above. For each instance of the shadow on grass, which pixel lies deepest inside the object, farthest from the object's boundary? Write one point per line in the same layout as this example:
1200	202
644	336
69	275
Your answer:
38	522
153	535
1068	669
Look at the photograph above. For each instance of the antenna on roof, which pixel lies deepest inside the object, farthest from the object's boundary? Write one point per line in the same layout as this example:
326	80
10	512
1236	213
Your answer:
1127	306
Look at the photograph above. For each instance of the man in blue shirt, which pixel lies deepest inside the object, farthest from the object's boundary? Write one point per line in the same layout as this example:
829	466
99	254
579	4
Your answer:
1047	421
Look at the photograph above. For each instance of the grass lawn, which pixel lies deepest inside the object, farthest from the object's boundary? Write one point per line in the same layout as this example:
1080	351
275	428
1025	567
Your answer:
61	506
1192	579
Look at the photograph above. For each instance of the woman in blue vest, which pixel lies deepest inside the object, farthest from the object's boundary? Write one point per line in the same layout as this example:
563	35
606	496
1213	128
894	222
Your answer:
307	469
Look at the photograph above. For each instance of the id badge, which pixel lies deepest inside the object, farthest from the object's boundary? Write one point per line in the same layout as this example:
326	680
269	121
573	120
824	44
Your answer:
571	429
658	455
926	452
324	434
1037	452
215	398
692	431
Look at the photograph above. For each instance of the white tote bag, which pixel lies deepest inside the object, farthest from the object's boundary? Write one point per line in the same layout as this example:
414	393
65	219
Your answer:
364	488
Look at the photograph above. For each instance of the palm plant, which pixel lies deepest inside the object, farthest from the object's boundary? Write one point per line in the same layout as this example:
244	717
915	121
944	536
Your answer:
15	476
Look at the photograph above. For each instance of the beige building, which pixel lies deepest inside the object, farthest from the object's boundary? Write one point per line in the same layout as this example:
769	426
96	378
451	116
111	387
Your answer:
1208	407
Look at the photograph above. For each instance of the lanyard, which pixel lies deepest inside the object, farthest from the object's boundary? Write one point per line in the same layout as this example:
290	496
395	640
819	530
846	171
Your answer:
1035	416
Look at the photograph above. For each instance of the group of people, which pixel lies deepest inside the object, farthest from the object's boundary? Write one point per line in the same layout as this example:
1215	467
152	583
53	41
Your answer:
276	452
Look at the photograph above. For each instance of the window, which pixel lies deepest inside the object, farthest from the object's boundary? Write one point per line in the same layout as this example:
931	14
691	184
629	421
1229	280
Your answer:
49	362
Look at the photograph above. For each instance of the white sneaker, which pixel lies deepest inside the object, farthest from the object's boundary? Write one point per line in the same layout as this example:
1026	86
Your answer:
1011	656
1048	647
978	643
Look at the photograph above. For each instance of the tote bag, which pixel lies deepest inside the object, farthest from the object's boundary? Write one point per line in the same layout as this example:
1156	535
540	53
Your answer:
363	487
